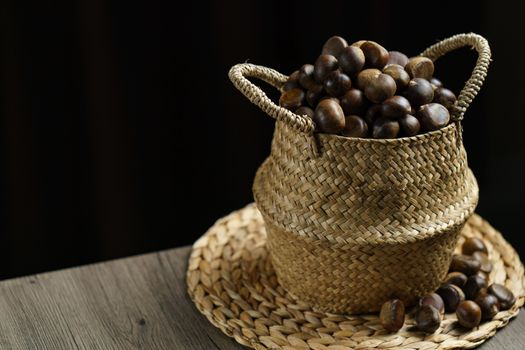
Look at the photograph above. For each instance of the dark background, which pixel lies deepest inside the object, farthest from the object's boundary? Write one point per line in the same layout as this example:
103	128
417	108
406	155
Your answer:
120	132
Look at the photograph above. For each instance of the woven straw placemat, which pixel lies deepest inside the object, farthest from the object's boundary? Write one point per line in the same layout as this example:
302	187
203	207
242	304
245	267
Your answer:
231	280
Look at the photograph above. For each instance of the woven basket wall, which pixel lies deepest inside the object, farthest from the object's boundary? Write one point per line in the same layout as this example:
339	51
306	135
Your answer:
353	222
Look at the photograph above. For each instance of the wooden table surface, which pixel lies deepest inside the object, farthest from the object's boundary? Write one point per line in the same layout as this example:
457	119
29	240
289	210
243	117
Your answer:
133	303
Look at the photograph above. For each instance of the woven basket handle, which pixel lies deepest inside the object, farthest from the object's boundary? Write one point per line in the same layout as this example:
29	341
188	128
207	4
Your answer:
238	75
474	83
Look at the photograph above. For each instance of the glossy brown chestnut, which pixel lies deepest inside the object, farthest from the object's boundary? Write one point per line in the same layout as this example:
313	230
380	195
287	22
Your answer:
420	67
399	75
409	125
396	57
427	319
475	284
376	56
329	116
305	111
419	92
469	314
351	60
380	88
452	295
314	94
334	46
337	83
292	99
505	297
433	299
306	76
445	97
372	114
385	128
464	263
395	106
324	65
292	82
366	76
354	102
392	315
435	82
488	304
433	116
457	278
355	126
486	264
473	244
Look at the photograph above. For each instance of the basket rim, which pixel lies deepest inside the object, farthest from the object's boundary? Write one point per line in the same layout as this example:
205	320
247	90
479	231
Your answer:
420	138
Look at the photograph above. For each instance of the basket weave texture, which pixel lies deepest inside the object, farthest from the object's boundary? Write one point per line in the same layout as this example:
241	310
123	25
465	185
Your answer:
353	222
232	281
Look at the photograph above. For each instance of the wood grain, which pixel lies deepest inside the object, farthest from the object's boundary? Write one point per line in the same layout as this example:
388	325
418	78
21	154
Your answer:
134	303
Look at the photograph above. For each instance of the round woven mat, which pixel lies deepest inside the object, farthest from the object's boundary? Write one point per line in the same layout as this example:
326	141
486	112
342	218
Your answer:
231	280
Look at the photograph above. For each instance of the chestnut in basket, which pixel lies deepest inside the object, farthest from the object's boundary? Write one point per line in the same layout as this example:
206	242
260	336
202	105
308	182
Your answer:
394	95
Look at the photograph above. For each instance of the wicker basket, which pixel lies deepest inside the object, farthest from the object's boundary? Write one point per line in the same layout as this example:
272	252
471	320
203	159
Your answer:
353	222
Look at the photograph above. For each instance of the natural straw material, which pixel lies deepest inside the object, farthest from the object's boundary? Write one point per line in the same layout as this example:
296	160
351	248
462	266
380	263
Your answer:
232	282
353	222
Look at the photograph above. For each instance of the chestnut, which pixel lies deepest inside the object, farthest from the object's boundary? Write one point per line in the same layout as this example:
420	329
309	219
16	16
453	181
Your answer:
427	319
395	106
433	116
365	76
306	76
483	258
376	56
469	314
488	304
351	60
337	83
380	88
419	92
303	110
435	82
475	284
334	46
399	75
314	94
445	97
355	126
464	263
373	113
452	295
457	278
385	128
329	116
324	65
292	99
420	67
392	315
396	57
292	82
473	244
354	102
434	300
409	125
505	297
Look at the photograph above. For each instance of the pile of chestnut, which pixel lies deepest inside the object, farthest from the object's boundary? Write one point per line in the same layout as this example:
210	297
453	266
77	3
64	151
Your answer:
464	291
363	90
